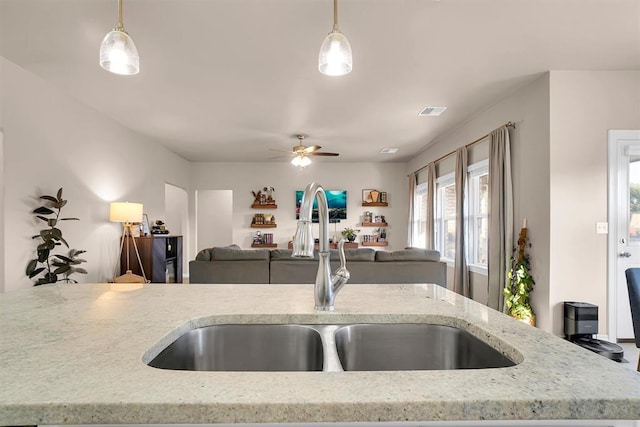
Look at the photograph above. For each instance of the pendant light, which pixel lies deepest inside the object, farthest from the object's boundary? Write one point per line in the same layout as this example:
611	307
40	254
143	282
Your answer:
335	57
118	54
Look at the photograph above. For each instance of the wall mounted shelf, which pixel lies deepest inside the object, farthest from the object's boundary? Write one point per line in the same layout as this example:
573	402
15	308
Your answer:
375	243
264	245
375	224
254	225
265	206
375	204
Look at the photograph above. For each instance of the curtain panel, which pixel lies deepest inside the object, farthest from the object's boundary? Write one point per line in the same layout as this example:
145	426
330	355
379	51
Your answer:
431	199
413	182
461	270
500	215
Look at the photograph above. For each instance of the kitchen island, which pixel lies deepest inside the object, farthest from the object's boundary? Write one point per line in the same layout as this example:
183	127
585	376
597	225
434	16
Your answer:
76	354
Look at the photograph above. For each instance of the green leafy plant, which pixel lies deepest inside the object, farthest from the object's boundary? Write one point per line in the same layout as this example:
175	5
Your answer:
519	284
48	265
350	233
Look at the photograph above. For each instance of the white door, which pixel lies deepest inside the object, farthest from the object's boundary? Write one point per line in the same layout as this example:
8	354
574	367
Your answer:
624	224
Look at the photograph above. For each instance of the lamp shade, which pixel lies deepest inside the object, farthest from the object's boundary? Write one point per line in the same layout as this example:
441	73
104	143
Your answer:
335	57
118	54
125	212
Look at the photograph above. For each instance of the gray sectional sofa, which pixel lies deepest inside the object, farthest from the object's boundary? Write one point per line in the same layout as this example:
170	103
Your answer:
231	264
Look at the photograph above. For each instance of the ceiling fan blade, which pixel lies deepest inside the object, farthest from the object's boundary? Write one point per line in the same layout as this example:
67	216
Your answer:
280	151
278	157
311	149
323	154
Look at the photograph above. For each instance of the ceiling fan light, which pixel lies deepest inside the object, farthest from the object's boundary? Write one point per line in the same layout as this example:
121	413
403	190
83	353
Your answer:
335	58
118	53
301	161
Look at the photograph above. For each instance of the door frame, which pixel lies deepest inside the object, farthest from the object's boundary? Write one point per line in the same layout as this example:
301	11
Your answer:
615	138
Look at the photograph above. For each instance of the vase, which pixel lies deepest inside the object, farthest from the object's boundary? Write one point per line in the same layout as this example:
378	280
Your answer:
375	196
351	238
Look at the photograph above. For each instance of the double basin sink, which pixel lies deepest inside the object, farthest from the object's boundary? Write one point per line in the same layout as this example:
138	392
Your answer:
359	347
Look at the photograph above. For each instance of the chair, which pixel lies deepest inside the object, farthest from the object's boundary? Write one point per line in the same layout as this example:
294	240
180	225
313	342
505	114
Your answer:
633	283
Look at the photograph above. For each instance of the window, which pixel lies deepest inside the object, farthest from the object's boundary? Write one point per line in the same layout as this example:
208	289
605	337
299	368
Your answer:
478	221
420	216
477	217
445	217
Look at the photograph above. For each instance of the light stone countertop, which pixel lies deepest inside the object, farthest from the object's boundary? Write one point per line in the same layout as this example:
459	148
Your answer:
73	354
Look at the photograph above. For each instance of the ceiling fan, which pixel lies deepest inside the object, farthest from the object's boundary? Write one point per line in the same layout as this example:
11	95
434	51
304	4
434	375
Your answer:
301	153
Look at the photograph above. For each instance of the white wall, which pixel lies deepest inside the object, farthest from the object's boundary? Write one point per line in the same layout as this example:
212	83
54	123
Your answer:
584	106
52	141
528	108
1	204
214	218
243	178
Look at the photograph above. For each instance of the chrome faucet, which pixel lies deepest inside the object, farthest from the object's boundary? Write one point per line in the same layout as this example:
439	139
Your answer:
327	285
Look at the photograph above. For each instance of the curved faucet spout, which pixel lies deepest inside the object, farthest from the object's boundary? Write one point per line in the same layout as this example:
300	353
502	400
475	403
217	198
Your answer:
327	285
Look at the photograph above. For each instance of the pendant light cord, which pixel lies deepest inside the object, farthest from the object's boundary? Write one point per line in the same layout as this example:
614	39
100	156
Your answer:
335	15
120	26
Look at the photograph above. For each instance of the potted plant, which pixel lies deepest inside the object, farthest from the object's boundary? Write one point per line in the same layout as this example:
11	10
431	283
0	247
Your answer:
519	283
48	264
350	233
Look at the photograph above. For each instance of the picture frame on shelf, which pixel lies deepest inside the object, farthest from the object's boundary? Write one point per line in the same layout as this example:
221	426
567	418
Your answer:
366	195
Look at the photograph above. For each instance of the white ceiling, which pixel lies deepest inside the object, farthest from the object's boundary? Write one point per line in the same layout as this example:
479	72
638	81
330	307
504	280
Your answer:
227	80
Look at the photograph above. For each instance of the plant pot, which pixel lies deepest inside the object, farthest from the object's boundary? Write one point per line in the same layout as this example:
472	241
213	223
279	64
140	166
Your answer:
351	238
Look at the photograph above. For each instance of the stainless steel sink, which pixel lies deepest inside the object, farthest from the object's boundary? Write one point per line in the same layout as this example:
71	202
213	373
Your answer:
357	347
385	347
254	347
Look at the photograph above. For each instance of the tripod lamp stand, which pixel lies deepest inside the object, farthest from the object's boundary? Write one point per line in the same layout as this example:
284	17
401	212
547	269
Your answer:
128	214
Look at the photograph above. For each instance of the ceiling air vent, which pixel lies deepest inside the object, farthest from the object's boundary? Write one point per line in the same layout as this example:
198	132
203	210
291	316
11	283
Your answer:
432	111
389	150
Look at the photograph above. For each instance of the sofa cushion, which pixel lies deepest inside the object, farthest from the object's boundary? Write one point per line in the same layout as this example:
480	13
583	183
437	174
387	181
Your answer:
285	255
204	255
237	254
365	254
409	254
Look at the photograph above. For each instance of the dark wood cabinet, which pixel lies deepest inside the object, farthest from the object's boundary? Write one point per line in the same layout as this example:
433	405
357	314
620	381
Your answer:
161	257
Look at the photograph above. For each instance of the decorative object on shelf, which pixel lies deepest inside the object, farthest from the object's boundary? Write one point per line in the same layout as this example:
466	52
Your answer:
520	282
128	214
144	227
335	58
51	237
263	221
350	233
372	197
159	227
383	235
263	199
268	194
263	240
118	53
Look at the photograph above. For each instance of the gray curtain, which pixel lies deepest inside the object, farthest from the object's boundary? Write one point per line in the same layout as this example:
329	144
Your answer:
412	215
461	271
500	215
431	194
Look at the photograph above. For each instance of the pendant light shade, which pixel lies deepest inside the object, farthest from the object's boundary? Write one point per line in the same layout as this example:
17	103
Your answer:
118	53
335	57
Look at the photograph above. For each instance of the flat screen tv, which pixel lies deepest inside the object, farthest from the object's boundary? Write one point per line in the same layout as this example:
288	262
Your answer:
336	201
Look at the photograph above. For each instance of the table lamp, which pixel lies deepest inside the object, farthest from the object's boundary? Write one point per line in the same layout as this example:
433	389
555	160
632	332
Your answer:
128	214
